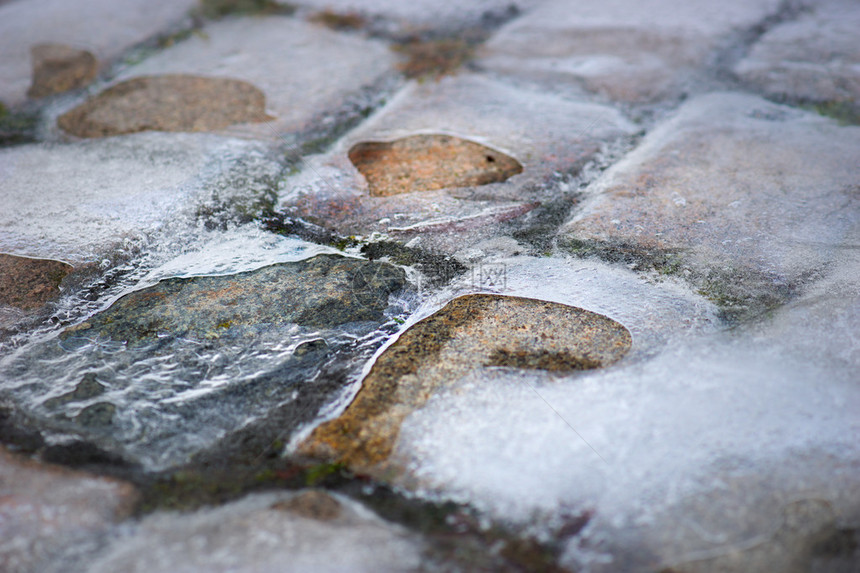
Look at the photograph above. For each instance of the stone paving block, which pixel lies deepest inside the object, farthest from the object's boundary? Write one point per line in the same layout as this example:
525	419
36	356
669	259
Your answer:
546	134
744	198
47	511
303	70
302	531
626	50
106	28
814	58
76	202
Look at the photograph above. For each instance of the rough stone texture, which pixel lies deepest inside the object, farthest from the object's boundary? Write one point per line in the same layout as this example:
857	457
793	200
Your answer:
166	103
813	58
47	511
626	50
428	162
27	283
105	28
304	70
323	292
312	504
471	332
746	198
257	535
544	133
92	195
58	68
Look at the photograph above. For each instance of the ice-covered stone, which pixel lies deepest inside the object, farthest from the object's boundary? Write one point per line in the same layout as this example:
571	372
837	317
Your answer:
265	533
470	333
813	58
546	134
627	50
743	198
58	68
48	512
77	202
304	70
106	28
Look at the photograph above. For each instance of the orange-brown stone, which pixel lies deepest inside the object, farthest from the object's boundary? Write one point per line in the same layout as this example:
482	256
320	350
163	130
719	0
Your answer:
428	162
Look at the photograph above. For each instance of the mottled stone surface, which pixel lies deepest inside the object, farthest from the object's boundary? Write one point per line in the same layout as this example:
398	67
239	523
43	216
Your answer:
58	68
744	198
813	58
428	162
166	103
27	283
544	133
469	333
46	511
322	292
94	194
625	50
256	534
303	69
105	28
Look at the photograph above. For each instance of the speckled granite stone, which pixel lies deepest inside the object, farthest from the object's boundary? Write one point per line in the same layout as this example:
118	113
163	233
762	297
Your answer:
27	283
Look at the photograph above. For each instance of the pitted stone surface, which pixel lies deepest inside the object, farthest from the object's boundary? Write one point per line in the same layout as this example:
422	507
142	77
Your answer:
471	332
94	194
47	510
27	283
58	68
166	103
429	162
323	292
750	196
106	28
813	58
312	71
256	534
625	50
543	132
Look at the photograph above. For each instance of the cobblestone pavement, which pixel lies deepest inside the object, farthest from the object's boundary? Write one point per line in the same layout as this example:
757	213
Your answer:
370	285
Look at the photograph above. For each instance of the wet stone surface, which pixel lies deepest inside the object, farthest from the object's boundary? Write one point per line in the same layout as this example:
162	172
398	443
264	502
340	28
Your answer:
27	283
428	162
322	292
58	68
471	332
166	103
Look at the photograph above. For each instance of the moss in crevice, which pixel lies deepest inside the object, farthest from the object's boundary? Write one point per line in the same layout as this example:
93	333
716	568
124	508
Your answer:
17	127
337	20
216	9
433	58
844	112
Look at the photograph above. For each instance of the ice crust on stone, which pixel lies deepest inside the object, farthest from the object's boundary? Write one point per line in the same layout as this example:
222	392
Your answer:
304	70
78	202
80	24
254	535
690	450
